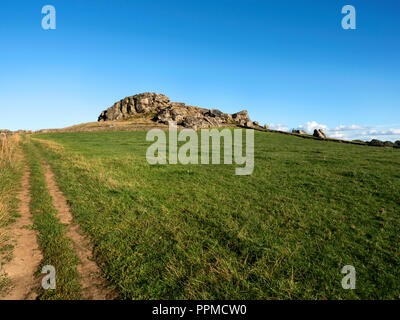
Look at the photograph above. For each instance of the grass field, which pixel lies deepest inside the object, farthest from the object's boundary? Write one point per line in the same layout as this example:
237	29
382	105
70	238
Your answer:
10	172
201	232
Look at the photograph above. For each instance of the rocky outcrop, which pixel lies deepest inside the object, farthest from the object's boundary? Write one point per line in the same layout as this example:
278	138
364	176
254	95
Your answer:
144	103
162	110
319	134
241	117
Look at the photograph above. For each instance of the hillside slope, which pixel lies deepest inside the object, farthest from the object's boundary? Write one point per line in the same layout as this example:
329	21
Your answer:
201	232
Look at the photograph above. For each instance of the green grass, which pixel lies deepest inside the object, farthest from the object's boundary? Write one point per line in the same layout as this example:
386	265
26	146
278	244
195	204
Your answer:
55	246
201	232
11	169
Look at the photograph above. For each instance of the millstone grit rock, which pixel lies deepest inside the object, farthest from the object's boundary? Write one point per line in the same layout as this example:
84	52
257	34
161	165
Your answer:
161	109
319	134
130	106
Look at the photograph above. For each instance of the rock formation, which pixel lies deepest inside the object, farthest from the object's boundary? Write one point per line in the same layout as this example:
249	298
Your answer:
319	134
161	109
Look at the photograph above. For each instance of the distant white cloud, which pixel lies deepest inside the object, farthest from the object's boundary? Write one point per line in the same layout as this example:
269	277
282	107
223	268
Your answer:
350	128
337	135
389	132
279	127
348	132
312	125
353	131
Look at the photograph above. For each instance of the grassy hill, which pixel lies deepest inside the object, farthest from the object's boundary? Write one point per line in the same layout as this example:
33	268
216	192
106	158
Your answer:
138	123
201	232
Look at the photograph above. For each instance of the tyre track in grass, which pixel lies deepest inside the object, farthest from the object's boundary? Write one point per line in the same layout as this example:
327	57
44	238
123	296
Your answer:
94	286
26	254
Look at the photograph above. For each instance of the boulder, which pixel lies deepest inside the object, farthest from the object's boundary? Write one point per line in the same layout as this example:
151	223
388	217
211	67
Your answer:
209	122
192	122
266	126
249	124
241	116
319	134
172	113
215	113
220	116
299	131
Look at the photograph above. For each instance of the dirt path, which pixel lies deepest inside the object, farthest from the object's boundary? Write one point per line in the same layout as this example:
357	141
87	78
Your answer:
93	284
26	254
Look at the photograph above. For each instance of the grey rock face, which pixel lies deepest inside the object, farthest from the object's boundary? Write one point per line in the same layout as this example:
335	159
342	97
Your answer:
249	124
141	103
215	113
241	116
162	110
319	134
193	122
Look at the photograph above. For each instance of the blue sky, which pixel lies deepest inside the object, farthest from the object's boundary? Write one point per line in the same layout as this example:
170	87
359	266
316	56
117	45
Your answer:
289	63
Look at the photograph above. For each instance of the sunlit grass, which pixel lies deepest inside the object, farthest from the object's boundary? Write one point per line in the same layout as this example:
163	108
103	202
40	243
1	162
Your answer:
201	232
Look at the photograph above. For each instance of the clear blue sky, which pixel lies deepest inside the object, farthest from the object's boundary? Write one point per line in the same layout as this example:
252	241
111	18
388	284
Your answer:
289	63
